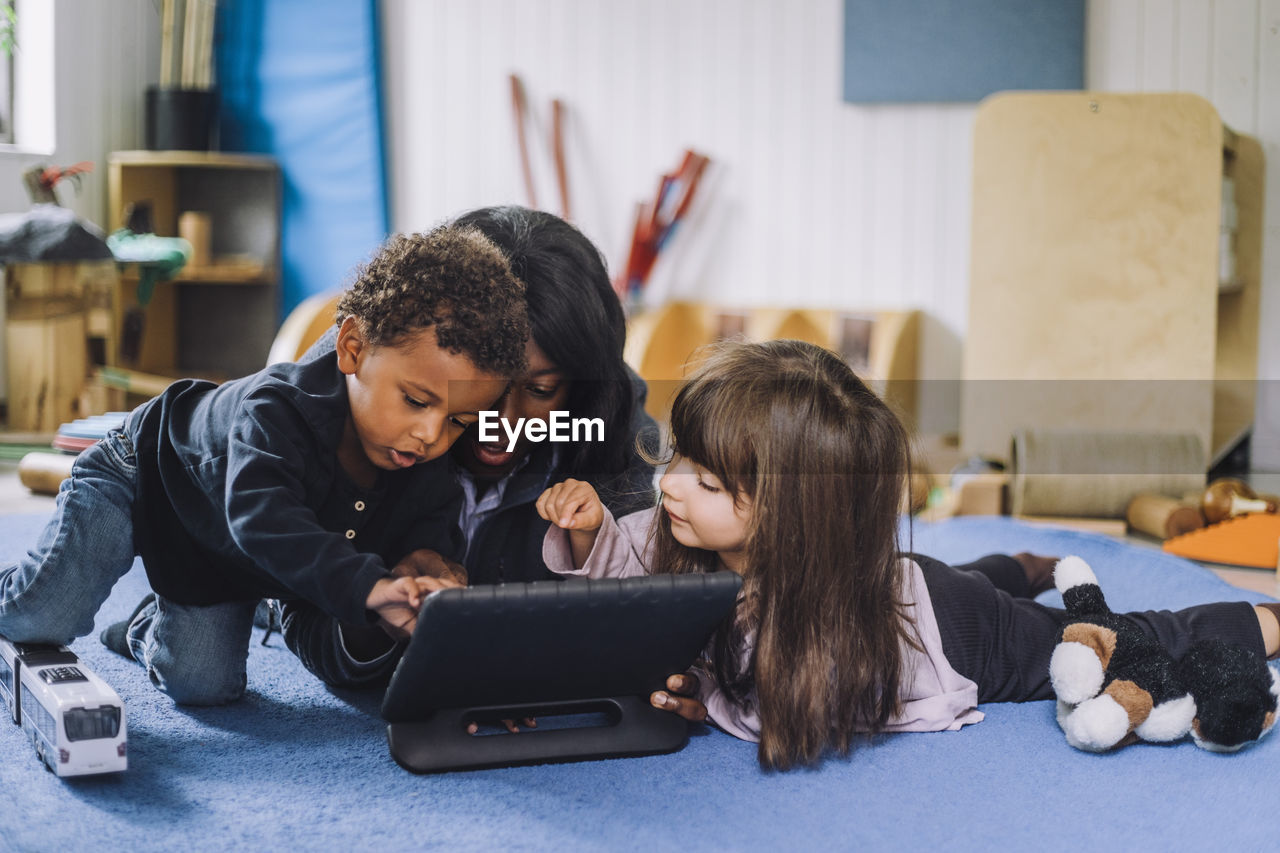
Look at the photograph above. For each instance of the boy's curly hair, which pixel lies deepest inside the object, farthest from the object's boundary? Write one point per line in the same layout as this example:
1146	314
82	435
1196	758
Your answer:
451	279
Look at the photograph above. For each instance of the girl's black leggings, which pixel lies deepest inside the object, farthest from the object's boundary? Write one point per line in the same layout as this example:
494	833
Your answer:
994	634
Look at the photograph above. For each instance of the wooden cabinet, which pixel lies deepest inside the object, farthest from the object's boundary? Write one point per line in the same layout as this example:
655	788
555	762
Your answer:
55	313
216	319
1095	299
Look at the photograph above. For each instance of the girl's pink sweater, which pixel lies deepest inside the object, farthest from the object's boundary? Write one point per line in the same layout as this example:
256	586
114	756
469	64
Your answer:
934	696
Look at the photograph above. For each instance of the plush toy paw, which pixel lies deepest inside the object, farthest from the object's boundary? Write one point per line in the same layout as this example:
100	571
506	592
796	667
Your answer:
1063	711
1168	721
1107	721
1075	672
1096	725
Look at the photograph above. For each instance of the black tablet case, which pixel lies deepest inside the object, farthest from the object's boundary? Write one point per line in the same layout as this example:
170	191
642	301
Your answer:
576	646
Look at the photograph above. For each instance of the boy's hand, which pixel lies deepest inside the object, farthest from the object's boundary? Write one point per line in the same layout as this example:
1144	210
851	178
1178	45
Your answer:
678	698
572	505
396	600
425	563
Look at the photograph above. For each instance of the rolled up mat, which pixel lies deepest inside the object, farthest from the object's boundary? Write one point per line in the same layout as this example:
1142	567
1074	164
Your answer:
43	473
1097	474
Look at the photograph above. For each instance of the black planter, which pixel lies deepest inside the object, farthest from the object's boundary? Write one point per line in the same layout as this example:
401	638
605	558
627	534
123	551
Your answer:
180	119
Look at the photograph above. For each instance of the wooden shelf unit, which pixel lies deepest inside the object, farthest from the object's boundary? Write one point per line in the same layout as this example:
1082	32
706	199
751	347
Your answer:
1094	297
882	346
218	319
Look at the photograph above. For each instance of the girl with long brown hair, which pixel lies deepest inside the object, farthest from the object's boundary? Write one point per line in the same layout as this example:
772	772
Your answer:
788	470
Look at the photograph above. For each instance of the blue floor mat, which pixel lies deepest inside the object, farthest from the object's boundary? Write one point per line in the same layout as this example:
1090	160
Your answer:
297	766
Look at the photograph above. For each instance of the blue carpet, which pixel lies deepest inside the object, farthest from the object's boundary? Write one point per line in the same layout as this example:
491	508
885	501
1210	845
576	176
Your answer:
297	766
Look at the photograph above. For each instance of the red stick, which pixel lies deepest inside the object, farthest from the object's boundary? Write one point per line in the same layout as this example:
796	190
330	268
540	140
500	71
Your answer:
519	107
557	149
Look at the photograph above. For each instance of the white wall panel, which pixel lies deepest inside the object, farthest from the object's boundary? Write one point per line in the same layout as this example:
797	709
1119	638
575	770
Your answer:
1160	46
1234	82
1194	48
1113	43
812	201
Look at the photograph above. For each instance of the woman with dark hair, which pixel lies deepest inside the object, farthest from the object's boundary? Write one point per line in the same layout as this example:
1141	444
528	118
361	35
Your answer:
575	365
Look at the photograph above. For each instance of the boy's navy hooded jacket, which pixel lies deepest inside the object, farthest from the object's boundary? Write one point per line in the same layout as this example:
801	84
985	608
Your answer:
240	494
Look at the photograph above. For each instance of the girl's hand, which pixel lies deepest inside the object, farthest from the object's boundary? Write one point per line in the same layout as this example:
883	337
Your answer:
678	698
572	505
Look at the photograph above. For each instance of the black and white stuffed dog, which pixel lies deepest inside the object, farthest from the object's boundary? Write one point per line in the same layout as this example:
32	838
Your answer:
1115	685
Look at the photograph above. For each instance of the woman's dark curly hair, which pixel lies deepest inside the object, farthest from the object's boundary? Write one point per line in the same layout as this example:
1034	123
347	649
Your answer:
450	279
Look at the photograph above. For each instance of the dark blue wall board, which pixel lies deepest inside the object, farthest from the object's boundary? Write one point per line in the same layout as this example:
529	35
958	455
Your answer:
300	80
911	51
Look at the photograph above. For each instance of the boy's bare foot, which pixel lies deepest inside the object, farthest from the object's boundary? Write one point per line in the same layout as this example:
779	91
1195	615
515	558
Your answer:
1038	569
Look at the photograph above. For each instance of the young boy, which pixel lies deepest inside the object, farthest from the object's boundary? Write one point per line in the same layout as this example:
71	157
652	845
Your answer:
306	480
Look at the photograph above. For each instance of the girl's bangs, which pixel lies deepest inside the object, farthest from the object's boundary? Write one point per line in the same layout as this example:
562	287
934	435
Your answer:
711	425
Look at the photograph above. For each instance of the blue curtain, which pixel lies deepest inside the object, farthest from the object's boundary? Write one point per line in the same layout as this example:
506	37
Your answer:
299	80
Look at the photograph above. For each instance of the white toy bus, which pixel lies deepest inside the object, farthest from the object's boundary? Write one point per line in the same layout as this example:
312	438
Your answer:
74	719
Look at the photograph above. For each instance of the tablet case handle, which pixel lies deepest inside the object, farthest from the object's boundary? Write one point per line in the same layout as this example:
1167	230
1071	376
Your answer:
441	742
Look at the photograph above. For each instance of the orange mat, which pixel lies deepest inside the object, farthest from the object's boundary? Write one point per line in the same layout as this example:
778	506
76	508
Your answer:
1249	540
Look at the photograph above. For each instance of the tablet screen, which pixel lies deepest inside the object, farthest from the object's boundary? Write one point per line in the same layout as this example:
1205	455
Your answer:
550	641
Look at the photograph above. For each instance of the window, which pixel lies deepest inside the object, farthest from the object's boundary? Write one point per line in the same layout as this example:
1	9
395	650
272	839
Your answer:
8	23
27	76
6	680
35	714
86	724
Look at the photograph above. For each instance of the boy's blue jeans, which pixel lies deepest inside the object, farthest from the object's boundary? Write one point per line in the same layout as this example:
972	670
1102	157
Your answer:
196	655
